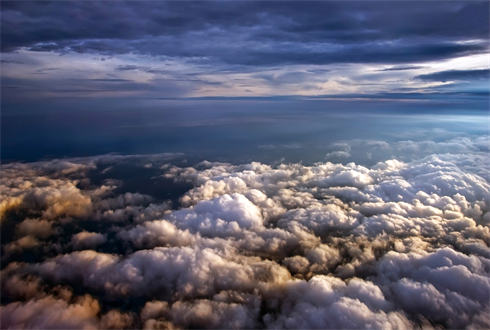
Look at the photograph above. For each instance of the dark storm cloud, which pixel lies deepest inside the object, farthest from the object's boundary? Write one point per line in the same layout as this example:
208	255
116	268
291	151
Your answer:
465	75
251	33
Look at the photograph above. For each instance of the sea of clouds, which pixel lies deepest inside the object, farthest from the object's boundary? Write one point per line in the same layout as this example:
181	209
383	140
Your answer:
397	245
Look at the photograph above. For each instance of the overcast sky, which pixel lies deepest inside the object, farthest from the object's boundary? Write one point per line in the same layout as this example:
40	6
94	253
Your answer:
154	50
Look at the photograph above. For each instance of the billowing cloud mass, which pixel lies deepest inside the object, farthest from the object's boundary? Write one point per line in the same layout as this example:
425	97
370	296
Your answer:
397	245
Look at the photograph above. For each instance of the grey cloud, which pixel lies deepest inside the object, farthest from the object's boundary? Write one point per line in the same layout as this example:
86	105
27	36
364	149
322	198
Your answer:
110	80
337	154
465	75
402	68
182	50
259	28
128	67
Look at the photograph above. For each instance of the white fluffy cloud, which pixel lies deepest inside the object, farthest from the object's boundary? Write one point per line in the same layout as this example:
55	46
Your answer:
398	245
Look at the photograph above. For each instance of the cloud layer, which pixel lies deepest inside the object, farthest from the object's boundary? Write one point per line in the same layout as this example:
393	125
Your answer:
244	48
399	245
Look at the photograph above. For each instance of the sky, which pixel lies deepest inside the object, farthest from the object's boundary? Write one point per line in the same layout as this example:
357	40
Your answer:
85	78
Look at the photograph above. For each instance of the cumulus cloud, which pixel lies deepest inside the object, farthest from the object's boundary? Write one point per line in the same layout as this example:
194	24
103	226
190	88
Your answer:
415	145
36	227
21	244
85	239
337	154
49	186
397	245
49	312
